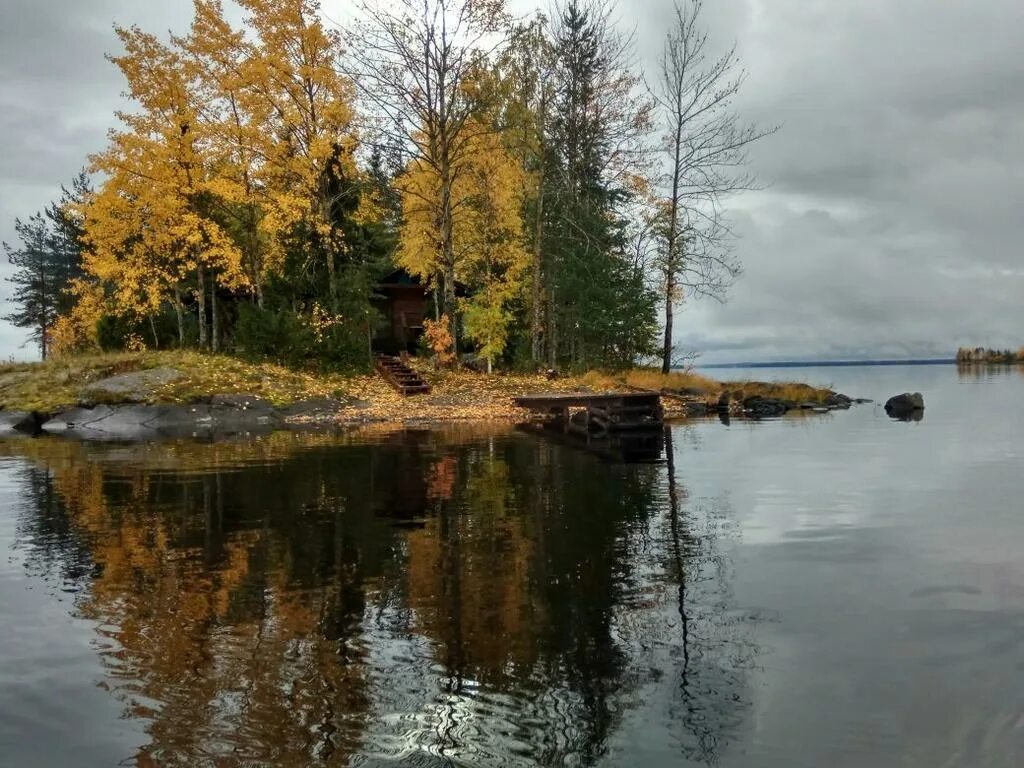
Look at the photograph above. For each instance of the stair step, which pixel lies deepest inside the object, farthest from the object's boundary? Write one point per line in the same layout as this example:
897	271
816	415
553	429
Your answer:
405	380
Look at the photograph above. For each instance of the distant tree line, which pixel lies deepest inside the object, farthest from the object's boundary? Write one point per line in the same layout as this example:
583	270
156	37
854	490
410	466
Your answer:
267	176
985	355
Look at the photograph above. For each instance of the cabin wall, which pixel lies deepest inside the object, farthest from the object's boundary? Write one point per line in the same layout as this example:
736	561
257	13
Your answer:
404	309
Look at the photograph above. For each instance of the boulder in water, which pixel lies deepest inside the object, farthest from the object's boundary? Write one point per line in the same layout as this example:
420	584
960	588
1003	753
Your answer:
838	400
765	407
906	407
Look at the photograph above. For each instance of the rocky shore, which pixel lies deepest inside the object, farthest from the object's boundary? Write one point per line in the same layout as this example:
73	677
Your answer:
184	395
762	407
245	414
223	415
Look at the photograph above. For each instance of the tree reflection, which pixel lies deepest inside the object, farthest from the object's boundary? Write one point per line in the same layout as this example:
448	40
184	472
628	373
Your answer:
718	649
479	599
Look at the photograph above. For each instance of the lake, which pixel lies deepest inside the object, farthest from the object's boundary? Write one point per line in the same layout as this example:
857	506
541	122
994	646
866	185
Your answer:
838	589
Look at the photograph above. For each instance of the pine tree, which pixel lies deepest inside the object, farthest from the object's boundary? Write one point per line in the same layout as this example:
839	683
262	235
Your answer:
36	280
66	233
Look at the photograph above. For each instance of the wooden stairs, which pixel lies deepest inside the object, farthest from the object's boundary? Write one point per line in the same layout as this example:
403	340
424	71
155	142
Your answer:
400	376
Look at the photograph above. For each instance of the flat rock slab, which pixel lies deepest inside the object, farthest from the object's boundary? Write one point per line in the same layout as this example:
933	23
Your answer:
242	401
319	408
145	422
135	387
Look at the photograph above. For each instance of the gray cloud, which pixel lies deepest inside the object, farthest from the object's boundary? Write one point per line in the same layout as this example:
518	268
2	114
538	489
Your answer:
57	98
891	226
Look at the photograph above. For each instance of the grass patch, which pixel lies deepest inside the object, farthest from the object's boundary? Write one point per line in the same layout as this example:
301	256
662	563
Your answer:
648	378
700	386
62	382
782	390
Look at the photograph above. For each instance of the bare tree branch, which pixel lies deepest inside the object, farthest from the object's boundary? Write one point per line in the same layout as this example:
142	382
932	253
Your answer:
706	146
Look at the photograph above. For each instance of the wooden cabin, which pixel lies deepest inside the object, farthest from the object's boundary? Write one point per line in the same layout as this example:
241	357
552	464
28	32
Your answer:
403	302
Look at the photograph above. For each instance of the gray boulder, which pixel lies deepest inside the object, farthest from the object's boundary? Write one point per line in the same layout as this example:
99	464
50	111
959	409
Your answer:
906	407
838	400
765	407
696	408
135	387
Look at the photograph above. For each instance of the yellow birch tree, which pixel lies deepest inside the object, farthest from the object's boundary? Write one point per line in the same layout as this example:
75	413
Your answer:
149	228
302	106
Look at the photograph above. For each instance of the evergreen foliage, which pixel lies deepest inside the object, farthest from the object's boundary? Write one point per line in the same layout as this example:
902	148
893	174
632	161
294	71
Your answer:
47	260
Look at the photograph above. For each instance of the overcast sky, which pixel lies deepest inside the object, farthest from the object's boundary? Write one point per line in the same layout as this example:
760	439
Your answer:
893	223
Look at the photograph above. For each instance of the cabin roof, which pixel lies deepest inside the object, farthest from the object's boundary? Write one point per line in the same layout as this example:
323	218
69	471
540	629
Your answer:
402	278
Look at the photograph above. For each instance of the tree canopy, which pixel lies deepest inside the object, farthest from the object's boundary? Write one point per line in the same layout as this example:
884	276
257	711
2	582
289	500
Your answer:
268	175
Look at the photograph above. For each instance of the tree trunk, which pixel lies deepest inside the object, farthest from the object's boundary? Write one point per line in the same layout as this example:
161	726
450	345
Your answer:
552	332
666	352
44	306
179	310
201	308
332	276
448	266
538	299
214	314
152	327
572	342
672	246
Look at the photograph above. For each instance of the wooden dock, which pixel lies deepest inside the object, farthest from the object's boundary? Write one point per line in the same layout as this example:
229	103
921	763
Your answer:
400	376
598	413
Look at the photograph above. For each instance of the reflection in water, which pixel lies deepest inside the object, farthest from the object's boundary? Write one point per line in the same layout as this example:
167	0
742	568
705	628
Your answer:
967	372
437	597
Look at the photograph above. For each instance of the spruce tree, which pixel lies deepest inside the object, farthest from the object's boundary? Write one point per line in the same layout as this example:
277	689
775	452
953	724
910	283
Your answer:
600	310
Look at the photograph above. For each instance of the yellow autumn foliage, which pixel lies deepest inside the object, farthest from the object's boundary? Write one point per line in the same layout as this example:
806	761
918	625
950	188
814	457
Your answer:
77	330
150	226
237	137
487	232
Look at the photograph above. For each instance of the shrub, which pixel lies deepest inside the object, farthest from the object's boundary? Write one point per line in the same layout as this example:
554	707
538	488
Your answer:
438	339
111	333
296	340
273	334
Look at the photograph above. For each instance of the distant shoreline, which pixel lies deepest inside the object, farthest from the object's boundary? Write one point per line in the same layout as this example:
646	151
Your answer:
831	363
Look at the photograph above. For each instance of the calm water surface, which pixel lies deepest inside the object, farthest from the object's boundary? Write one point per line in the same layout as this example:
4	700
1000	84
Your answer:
841	590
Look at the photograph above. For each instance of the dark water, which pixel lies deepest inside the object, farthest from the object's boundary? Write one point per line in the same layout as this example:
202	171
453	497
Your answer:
841	590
